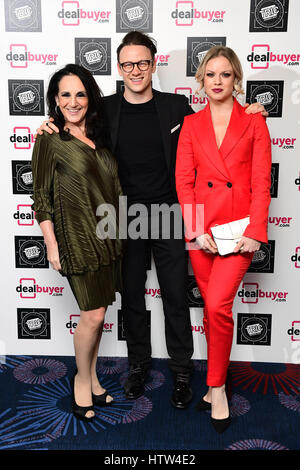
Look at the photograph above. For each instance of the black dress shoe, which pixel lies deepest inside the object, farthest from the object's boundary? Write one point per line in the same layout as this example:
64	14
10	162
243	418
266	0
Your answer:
182	393
134	386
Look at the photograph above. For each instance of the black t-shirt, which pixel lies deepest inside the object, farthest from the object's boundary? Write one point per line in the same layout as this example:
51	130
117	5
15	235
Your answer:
142	165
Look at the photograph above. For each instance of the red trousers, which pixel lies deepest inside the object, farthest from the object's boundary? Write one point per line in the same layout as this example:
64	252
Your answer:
218	278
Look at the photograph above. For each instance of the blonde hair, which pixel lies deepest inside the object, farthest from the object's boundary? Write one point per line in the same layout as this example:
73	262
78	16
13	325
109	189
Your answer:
230	55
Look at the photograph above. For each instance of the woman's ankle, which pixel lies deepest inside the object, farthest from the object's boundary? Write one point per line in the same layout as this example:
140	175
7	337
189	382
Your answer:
220	388
207	396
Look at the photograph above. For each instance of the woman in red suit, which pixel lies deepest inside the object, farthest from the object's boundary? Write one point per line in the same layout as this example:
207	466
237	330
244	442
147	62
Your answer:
223	166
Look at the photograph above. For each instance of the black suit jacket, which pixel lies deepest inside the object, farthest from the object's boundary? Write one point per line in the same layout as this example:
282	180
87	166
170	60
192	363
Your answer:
171	110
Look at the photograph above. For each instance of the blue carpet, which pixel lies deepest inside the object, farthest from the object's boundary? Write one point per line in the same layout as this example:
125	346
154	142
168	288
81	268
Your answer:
35	409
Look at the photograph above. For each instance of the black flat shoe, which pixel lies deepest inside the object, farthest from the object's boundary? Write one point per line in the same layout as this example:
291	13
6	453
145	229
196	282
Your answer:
203	405
79	411
100	400
221	425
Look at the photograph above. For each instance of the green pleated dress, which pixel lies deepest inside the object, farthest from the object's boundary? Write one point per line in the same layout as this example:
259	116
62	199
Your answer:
70	181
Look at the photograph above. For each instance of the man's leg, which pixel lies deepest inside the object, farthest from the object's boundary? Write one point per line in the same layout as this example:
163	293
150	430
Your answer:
171	265
135	317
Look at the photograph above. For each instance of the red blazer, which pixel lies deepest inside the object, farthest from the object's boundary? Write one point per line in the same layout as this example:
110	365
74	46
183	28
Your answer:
231	182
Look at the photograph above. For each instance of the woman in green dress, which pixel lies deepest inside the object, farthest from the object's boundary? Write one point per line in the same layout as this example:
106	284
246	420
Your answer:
73	174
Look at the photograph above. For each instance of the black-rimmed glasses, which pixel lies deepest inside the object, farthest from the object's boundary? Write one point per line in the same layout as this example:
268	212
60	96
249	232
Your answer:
142	65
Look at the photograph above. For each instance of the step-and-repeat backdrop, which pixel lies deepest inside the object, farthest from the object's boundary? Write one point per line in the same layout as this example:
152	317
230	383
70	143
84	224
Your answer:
38	312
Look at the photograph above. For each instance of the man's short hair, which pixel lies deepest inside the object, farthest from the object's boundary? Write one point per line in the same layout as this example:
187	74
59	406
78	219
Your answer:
136	38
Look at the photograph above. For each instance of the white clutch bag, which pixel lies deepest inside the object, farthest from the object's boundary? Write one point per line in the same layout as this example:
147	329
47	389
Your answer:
226	236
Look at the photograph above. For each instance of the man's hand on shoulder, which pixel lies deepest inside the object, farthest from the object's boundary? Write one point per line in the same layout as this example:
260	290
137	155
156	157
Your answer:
47	126
255	108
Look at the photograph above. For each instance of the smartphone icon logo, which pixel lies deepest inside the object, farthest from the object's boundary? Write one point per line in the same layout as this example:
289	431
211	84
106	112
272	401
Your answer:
260	53
295	331
27	288
297	260
25	214
186	91
250	293
73	323
184	13
18	54
68	13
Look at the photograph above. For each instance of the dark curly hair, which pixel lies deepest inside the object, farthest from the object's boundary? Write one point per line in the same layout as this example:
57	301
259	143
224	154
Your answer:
96	128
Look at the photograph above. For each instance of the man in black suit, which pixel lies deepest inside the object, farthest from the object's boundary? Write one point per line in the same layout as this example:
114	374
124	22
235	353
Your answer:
144	127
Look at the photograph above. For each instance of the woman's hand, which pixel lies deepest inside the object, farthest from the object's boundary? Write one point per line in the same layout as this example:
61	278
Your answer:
53	256
247	245
206	243
47	126
255	108
51	244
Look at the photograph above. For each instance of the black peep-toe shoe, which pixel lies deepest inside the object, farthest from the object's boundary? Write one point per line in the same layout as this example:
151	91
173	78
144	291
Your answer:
100	400
79	411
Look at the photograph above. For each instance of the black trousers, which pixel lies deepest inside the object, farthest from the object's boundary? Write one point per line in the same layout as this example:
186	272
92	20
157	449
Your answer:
171	260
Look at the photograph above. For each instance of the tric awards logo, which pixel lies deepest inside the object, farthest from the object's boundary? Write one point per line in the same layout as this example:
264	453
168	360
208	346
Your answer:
94	54
254	329
194	297
197	47
134	14
30	251
23	15
26	97
34	323
269	15
268	93
22	180
263	259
